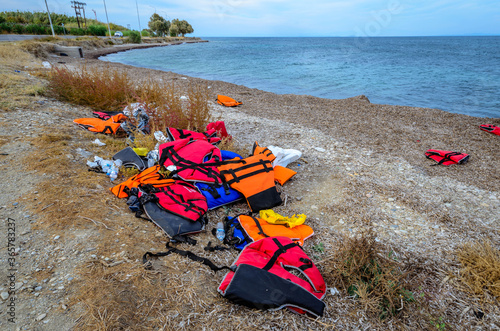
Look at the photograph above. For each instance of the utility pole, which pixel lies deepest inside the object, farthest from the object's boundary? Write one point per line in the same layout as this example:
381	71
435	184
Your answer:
50	20
107	17
79	6
136	6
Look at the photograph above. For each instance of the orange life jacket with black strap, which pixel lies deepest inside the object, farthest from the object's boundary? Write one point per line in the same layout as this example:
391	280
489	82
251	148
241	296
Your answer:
148	176
109	126
446	157
260	279
257	229
254	178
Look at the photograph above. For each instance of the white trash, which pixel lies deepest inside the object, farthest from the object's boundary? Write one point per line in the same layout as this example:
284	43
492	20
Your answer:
98	143
284	156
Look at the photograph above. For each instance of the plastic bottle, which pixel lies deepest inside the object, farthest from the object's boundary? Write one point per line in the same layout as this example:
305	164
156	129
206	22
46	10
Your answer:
220	233
113	171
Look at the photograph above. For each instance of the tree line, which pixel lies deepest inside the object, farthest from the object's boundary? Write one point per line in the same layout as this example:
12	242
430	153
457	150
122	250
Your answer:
162	27
38	23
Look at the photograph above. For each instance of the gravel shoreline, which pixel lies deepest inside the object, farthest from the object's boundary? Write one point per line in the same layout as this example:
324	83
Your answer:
362	166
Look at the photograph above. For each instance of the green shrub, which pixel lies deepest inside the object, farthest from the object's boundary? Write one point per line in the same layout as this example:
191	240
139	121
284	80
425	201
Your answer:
5	27
77	31
18	28
35	29
145	33
135	37
97	30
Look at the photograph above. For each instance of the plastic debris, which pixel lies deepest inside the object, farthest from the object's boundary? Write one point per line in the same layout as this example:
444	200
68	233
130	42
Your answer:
284	156
98	143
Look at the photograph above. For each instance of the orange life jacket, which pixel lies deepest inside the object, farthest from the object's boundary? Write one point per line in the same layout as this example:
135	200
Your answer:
257	229
227	101
110	126
254	178
148	176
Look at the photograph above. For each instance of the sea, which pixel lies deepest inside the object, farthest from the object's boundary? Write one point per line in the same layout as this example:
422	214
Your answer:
454	74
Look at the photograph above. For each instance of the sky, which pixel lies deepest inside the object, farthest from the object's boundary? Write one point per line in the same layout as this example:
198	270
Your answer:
293	18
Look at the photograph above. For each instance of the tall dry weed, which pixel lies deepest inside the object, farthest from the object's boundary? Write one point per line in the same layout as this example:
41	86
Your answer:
104	90
480	272
368	271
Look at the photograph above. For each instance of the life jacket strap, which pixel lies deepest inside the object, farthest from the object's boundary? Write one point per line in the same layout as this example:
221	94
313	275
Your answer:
281	249
190	255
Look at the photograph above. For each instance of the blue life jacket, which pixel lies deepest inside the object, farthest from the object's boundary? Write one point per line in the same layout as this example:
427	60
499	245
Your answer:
220	195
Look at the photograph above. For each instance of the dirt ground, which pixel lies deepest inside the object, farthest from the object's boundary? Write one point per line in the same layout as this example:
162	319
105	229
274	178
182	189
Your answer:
78	248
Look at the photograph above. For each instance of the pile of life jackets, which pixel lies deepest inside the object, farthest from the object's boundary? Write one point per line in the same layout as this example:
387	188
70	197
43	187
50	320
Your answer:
193	176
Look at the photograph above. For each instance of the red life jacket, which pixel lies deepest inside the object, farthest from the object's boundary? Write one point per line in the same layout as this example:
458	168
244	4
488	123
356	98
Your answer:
195	160
220	127
180	198
209	135
261	280
446	157
490	128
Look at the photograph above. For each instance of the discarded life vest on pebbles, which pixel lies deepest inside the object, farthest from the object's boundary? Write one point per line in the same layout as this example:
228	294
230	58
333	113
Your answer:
254	178
178	209
109	126
227	101
148	176
244	229
191	160
490	128
260	278
209	135
446	158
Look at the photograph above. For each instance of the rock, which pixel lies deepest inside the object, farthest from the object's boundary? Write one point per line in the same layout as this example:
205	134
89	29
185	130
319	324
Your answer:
390	199
15	203
38	288
4	295
368	195
319	149
40	317
57	237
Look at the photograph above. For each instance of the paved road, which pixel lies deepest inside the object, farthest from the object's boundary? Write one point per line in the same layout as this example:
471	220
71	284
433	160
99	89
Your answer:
17	37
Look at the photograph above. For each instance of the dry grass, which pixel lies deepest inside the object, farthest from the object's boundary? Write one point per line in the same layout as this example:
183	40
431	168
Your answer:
112	89
480	271
108	90
370	272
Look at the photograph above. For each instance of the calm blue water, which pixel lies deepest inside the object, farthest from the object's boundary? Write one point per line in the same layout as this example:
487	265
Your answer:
455	74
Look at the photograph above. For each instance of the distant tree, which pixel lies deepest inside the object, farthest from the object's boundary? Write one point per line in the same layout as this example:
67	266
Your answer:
183	27
174	30
159	25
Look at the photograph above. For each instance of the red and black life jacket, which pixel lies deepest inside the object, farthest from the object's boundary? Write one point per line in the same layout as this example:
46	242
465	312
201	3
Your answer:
490	128
178	209
210	135
195	160
446	157
260	278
